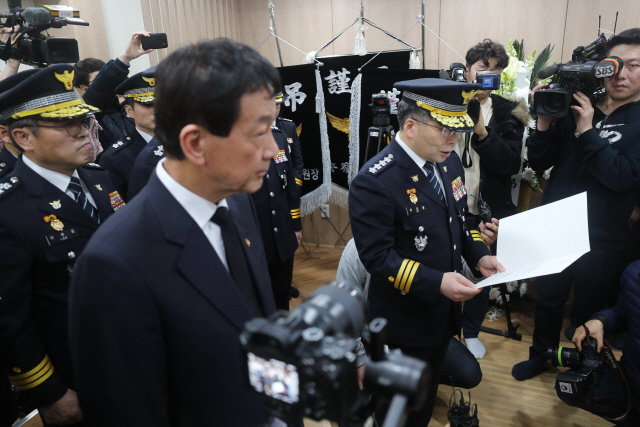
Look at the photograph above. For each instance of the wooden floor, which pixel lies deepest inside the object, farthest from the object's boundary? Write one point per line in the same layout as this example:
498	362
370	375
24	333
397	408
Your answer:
502	401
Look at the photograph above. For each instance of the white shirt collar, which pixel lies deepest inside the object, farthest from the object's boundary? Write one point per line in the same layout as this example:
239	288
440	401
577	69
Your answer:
58	179
199	208
419	160
144	135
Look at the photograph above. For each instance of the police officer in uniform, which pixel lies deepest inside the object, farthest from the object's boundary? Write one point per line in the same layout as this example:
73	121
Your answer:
50	205
118	159
410	220
278	207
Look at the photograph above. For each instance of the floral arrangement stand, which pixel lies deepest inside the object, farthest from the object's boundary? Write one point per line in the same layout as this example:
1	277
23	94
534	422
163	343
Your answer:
512	330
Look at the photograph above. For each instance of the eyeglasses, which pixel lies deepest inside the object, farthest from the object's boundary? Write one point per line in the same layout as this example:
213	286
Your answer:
74	128
446	132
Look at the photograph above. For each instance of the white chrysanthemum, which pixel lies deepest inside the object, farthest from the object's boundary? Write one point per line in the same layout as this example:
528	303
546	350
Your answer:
528	174
508	299
511	286
494	294
512	69
523	289
493	313
547	173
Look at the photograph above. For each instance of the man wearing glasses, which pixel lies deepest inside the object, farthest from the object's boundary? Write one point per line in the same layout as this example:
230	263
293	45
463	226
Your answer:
411	223
50	205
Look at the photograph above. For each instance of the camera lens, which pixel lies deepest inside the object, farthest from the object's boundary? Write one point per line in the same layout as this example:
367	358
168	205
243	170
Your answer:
563	357
554	102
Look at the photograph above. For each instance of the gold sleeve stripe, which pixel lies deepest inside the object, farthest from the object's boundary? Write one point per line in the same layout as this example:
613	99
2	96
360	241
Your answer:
31	372
298	181
399	276
295	216
295	210
411	275
37	376
405	276
478	239
475	232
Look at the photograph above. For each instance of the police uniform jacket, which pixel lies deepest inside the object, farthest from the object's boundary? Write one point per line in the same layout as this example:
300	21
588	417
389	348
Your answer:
278	204
144	165
118	159
169	318
389	230
36	262
7	162
295	151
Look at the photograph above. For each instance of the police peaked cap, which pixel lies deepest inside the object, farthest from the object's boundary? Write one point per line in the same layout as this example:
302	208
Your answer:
139	87
281	97
45	94
14	80
445	100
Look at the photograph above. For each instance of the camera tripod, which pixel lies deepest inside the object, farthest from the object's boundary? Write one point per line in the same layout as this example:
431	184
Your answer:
379	134
512	331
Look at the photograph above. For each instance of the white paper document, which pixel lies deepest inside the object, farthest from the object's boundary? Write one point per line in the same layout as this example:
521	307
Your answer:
542	241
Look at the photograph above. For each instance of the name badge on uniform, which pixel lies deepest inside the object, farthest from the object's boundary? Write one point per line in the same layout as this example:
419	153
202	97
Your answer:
116	201
281	157
61	237
458	189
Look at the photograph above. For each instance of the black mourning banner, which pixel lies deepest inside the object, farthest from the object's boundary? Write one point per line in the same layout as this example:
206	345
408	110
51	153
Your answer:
338	74
375	80
299	82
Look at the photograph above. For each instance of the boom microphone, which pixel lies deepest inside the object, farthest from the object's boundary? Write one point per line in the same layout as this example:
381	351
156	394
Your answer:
548	71
36	16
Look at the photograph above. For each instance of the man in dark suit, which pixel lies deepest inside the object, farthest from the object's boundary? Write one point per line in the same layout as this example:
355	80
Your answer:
50	205
118	159
410	220
162	292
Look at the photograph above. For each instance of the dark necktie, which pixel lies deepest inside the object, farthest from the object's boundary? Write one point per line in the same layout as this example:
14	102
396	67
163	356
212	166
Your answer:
431	174
238	266
76	188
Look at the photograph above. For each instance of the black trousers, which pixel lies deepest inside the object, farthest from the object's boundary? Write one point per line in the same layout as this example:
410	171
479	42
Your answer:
281	273
8	412
591	276
434	356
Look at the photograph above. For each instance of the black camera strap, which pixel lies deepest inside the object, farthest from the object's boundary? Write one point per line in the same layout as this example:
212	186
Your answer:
614	365
466	154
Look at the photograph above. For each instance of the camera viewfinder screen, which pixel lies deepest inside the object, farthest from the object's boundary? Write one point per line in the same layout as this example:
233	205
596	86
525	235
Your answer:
274	378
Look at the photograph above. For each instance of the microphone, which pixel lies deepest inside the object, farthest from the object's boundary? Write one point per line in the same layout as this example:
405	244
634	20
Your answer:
548	71
609	67
37	16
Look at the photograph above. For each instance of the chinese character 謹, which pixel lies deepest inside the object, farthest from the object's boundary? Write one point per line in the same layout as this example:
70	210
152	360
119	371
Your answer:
393	100
339	82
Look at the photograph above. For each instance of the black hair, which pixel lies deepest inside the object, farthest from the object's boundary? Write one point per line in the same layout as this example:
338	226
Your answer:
202	84
411	111
86	67
486	50
23	123
130	102
630	36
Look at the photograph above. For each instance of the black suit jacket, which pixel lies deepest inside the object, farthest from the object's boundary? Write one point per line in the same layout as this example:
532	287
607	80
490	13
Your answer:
388	227
155	318
36	262
144	166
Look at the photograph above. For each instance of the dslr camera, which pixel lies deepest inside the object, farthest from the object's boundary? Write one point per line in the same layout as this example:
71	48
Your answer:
490	80
304	361
584	73
588	367
34	48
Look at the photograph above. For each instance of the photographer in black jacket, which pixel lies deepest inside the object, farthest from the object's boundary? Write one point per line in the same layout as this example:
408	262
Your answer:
595	149
490	155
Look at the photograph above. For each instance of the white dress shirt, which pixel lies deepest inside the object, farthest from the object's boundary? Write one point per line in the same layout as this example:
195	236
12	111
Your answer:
420	162
59	180
199	208
145	135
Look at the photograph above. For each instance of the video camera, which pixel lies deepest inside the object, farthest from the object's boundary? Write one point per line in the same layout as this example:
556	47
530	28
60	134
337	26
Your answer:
588	66
381	109
305	361
588	365
490	80
31	46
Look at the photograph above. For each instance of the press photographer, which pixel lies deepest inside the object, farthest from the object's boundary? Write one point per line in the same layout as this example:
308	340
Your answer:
617	385
595	149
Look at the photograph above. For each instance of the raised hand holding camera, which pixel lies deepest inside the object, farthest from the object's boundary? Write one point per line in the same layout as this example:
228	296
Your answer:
582	112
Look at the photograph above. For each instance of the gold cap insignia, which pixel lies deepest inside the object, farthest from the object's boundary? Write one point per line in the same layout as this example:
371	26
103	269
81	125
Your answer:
98	187
150	80
468	96
56	204
415	178
66	78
